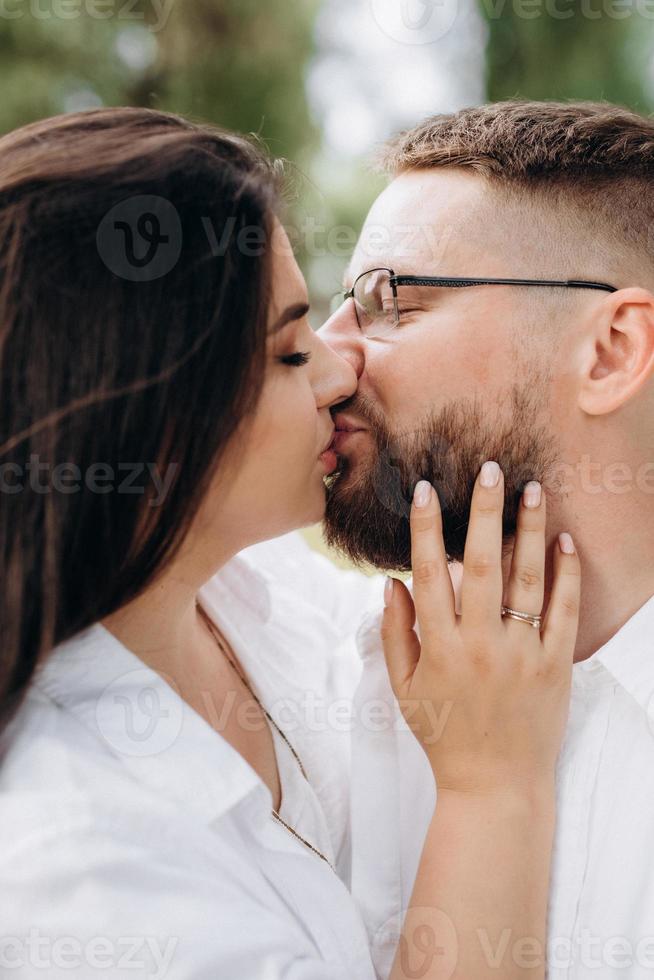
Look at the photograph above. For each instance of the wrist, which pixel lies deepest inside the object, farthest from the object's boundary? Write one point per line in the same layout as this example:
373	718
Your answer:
531	796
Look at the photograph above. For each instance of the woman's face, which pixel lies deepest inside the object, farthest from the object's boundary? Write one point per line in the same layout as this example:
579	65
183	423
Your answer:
272	479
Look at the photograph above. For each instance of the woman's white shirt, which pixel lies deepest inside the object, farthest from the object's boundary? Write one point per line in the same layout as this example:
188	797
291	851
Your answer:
138	843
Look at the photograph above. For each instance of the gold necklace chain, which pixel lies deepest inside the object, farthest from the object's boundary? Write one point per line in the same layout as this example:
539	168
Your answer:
272	721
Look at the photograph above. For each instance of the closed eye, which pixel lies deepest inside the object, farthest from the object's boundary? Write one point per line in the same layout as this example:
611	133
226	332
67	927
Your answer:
297	359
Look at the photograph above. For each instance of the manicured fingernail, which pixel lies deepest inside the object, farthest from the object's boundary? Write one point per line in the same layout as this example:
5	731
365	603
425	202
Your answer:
422	493
532	495
490	475
566	544
388	590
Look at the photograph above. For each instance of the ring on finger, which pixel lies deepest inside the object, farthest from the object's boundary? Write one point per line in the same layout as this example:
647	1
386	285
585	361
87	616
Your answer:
522	617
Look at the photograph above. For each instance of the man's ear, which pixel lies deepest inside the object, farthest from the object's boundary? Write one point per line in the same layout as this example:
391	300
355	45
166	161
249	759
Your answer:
618	353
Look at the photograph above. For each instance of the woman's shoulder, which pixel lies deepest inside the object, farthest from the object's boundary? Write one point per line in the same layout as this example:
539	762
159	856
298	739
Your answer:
70	805
56	781
102	747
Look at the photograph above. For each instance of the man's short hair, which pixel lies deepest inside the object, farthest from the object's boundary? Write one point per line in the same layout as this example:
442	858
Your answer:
590	161
527	142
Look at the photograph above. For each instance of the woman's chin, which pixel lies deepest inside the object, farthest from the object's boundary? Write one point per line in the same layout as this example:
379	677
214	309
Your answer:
310	512
316	506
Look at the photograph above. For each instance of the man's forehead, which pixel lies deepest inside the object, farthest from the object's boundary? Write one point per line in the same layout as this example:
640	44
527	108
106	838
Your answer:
427	222
415	248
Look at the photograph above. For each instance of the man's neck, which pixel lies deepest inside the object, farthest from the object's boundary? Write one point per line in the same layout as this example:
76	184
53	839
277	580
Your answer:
617	577
613	590
604	497
614	534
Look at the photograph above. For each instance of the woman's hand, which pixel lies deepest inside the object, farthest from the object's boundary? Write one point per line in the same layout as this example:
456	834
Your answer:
502	685
503	689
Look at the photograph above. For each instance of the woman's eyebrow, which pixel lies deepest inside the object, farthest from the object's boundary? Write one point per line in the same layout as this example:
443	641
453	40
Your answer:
297	311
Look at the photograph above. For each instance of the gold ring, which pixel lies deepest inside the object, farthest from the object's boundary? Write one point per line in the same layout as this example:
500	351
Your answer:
522	617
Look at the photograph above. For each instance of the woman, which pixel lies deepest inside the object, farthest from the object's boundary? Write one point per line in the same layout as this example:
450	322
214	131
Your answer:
165	405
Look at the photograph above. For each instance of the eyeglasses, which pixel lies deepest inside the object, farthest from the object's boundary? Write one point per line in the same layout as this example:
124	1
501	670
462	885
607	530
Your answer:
376	299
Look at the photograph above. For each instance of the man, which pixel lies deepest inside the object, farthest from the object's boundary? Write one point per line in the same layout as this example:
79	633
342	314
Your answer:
553	377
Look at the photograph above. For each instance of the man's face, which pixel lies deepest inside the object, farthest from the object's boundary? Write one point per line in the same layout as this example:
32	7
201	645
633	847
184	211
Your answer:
465	377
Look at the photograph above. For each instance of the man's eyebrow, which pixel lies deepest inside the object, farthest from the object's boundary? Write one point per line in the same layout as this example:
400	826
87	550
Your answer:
297	311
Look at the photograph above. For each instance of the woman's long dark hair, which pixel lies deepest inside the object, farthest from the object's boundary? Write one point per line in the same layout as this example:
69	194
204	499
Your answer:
133	308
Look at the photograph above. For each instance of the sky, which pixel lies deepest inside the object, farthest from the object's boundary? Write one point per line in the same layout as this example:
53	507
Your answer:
385	64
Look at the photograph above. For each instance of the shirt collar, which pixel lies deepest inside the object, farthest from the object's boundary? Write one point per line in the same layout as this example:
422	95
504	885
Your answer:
629	656
139	717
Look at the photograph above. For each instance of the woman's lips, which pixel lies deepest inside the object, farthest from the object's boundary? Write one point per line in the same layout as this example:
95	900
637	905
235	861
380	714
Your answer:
329	459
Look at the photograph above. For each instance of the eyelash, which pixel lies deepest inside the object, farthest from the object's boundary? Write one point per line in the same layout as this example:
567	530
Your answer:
298	359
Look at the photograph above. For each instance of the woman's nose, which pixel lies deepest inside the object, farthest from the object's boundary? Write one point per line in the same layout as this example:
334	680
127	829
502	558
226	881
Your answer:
336	377
342	335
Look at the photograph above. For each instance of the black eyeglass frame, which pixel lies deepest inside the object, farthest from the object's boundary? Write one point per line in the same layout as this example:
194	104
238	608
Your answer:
457	282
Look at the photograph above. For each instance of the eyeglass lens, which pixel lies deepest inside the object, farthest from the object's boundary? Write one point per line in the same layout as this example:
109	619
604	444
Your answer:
374	302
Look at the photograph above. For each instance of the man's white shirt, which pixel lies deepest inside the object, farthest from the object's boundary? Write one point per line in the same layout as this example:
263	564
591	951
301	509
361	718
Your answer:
601	910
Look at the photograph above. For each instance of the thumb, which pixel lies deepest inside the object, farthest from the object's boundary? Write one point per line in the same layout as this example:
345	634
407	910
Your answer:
399	640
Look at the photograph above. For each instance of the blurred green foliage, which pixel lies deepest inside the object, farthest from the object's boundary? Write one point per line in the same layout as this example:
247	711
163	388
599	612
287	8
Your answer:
238	63
570	49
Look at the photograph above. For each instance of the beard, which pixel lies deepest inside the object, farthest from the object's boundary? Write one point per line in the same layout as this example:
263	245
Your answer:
369	500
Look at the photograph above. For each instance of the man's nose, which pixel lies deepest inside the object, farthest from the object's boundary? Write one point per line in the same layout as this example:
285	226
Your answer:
341	333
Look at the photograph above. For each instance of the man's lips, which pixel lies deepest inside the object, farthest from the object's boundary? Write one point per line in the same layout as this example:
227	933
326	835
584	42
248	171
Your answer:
346	428
343	436
345	423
